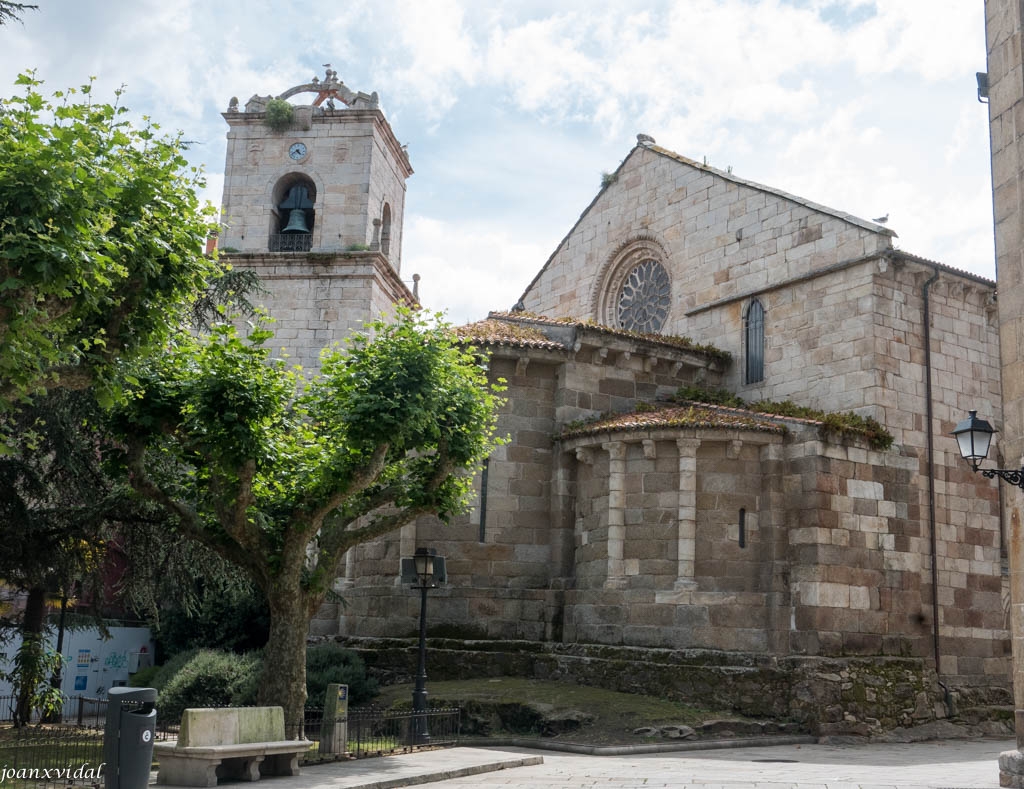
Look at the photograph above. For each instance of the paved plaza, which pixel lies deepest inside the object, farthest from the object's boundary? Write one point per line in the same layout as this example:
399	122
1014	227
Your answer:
939	764
951	764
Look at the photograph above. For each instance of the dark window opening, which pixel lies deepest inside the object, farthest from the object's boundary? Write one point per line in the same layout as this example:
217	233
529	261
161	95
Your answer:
743	528
483	499
294	216
754	342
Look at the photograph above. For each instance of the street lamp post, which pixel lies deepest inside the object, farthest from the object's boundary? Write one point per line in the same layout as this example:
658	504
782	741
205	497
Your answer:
424	570
975	437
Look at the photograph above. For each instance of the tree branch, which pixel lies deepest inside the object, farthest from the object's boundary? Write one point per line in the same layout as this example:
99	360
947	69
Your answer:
309	523
188	519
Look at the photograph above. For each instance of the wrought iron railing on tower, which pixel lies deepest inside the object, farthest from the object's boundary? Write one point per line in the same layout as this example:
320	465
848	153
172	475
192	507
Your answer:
291	242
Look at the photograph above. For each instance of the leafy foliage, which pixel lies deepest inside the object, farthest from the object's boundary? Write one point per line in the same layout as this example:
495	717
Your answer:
710	396
279	114
210	678
143	678
55	501
31	668
230	615
100	241
838	425
330	662
281	476
171	667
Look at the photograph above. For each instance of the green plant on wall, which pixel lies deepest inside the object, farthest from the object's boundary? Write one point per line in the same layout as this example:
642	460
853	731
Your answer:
278	114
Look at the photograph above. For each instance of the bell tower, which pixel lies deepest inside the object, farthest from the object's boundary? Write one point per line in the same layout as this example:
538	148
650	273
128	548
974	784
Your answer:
314	196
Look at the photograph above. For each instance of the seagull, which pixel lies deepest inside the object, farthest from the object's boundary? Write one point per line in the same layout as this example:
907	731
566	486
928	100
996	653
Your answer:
881	220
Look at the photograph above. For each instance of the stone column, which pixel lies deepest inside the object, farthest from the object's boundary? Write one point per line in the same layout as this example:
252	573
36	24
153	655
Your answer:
686	543
1003	32
616	513
562	518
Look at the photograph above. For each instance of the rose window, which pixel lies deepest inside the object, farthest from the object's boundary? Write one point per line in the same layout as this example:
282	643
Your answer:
645	298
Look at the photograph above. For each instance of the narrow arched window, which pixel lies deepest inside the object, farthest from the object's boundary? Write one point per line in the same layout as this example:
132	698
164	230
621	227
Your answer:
385	230
753	329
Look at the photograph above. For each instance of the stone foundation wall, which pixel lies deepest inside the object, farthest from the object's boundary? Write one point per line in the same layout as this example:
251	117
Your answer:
850	695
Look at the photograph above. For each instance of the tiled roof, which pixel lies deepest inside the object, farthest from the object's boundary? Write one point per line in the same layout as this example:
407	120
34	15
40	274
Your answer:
899	253
499	332
695	416
670	340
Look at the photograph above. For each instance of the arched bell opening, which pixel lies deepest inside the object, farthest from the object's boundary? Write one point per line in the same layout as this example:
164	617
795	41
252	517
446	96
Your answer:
293	215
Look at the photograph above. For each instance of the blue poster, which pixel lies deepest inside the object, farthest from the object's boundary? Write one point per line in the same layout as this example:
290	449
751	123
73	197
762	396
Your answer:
80	681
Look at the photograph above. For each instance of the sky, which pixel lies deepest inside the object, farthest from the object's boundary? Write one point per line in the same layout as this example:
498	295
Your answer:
511	110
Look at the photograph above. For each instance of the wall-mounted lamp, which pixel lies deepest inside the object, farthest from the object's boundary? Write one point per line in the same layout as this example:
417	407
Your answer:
975	438
982	77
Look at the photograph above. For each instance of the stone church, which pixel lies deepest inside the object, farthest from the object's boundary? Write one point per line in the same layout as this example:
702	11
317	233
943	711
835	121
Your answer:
622	514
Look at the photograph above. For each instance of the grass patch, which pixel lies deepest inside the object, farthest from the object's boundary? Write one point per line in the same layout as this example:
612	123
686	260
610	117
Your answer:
573	713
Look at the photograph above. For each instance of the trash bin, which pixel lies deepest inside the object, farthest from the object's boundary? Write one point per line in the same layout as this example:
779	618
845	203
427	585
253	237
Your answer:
128	737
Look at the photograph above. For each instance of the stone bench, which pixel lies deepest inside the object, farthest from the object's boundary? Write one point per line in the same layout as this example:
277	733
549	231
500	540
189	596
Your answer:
240	743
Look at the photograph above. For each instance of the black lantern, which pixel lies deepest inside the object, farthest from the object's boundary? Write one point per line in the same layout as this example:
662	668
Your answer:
974	437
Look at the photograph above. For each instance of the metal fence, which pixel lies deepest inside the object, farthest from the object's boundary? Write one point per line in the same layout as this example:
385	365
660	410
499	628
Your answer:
372	731
82	711
71	751
51	755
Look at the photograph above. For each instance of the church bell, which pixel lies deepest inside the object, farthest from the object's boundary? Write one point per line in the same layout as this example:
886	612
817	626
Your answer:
296	222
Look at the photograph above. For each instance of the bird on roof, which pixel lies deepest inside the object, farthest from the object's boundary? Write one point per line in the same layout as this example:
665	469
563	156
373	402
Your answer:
881	220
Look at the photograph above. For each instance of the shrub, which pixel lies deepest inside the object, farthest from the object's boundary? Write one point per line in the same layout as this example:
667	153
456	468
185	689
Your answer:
209	679
166	672
143	678
278	114
710	396
834	425
330	662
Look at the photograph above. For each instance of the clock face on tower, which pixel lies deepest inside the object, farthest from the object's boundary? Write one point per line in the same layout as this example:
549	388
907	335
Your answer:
297	151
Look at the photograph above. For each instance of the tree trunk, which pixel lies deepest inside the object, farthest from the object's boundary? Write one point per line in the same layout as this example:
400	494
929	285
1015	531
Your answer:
30	669
283	679
54	716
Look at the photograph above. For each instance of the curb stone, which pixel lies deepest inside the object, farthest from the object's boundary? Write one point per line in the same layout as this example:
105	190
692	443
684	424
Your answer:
444	775
625	750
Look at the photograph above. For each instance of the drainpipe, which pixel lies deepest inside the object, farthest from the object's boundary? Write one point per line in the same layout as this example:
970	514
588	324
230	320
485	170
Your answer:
929	408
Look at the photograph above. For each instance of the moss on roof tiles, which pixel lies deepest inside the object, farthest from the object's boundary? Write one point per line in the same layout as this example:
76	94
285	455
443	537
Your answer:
499	332
686	416
673	340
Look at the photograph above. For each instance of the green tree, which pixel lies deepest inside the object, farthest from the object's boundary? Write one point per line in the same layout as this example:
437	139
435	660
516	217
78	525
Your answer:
282	476
101	242
54	505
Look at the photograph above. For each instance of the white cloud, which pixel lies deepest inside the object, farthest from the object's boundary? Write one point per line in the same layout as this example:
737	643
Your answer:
513	108
469	270
936	39
438	53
